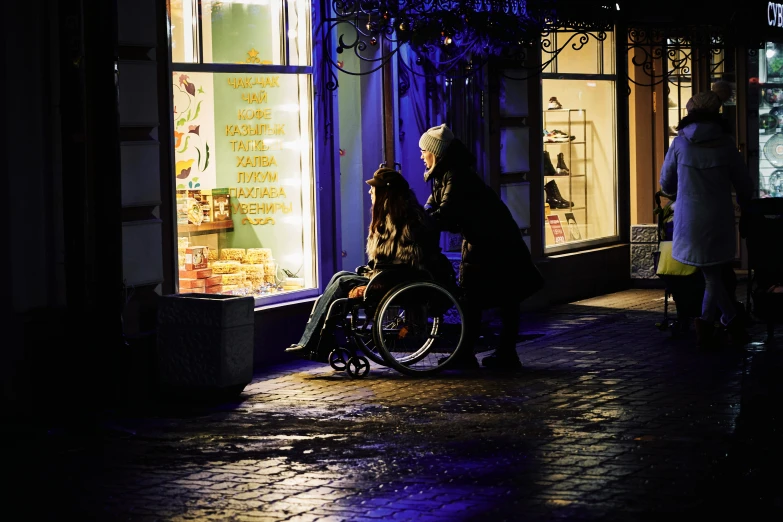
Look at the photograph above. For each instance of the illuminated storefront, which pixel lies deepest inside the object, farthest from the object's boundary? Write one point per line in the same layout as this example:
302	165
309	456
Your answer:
242	85
579	120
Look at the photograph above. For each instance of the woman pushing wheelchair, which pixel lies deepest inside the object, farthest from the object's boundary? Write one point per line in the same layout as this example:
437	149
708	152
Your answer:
400	233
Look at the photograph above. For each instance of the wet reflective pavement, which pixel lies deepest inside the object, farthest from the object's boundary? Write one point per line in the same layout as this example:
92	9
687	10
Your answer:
611	419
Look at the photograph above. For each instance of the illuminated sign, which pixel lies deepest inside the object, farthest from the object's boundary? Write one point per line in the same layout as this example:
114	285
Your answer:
774	14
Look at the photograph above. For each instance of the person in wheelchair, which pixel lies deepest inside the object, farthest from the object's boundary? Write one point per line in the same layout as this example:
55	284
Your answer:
400	233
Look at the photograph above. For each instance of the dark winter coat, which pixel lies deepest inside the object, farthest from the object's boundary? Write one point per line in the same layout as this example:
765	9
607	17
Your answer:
496	266
416	244
701	168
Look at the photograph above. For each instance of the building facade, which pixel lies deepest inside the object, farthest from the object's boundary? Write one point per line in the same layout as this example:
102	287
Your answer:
161	147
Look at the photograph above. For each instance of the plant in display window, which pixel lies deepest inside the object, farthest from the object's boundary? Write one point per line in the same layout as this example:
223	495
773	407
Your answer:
193	152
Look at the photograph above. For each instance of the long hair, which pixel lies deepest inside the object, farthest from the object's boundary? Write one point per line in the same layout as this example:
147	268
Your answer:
391	203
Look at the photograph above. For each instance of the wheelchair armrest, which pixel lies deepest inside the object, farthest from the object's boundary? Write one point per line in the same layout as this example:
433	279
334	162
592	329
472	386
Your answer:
338	306
384	280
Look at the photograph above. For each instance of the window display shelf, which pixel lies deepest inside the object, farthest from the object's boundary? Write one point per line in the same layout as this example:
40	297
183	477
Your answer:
205	228
573	155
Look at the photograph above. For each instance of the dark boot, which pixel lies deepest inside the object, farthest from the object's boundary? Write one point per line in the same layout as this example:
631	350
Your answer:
549	169
464	360
503	360
466	357
505	357
737	336
562	168
559	196
552	196
705	335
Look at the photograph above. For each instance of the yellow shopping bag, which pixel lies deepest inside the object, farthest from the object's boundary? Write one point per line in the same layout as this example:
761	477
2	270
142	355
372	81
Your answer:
668	266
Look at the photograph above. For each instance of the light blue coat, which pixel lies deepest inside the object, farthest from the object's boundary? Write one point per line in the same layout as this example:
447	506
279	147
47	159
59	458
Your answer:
701	167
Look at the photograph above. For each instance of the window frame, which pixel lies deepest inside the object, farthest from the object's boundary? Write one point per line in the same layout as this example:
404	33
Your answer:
320	259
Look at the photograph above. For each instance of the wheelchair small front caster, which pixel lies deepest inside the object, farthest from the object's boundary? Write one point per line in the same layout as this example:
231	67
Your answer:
338	359
358	366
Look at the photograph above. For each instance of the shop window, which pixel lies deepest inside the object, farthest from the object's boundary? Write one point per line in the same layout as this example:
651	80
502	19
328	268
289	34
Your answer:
765	113
265	32
243	148
579	141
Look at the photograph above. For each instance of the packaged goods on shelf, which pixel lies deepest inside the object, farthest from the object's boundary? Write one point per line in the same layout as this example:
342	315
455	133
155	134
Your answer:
215	280
221	207
237	278
196	257
270	271
181	261
192	284
226	267
182	208
194	213
258	255
232	254
212	255
206	205
229	288
203	273
255	273
293	283
214	289
187	274
183	242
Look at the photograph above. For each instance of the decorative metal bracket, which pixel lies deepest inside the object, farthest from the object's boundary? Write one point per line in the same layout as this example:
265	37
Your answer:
667	55
453	39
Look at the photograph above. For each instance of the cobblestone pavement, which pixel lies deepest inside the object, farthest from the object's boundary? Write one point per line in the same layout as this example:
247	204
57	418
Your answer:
612	419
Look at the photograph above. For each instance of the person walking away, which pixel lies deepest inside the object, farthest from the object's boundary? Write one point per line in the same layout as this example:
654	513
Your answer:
400	232
701	167
496	268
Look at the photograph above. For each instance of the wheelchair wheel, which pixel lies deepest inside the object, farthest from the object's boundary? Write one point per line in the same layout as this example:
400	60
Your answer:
418	328
338	359
358	367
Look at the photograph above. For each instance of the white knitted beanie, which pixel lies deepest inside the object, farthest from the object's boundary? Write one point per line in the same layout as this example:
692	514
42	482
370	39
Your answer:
436	140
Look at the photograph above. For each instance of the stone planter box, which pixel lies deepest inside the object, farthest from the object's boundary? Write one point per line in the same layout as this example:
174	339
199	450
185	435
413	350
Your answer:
205	343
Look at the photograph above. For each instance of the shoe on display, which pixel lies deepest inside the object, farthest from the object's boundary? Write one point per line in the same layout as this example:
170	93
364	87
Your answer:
554	104
549	169
295	348
502	362
562	136
672	104
562	168
555	198
556	136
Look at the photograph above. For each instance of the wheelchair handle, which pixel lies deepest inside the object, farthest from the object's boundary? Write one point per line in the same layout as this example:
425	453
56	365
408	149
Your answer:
395	165
657	197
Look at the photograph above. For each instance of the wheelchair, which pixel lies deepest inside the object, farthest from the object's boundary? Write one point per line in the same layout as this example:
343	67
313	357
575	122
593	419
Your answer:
405	321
